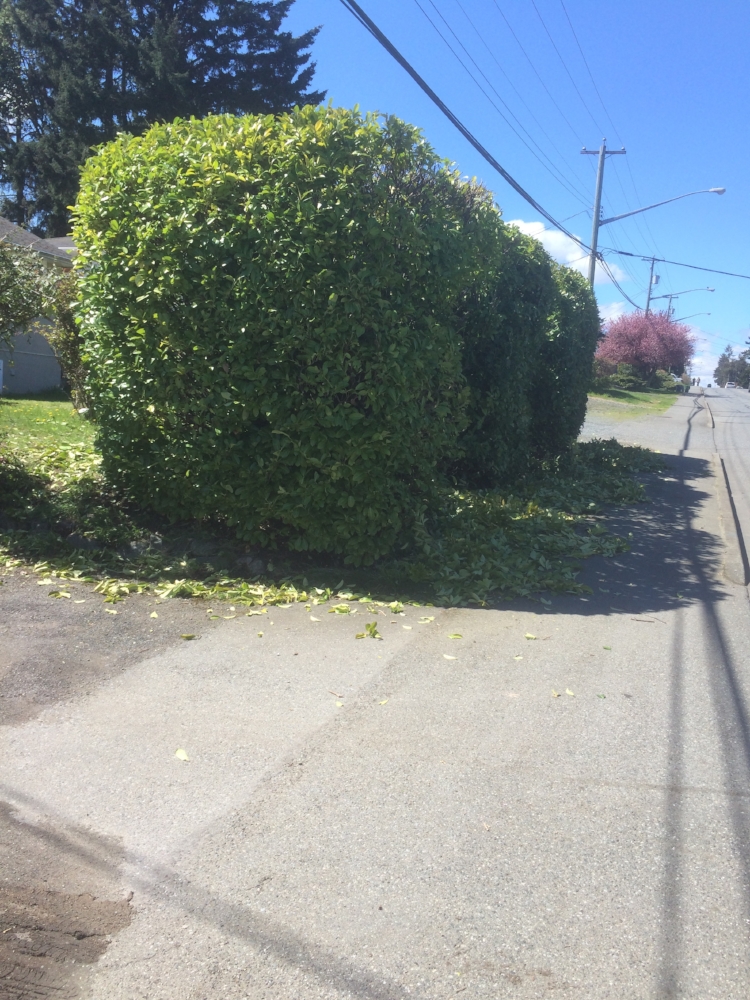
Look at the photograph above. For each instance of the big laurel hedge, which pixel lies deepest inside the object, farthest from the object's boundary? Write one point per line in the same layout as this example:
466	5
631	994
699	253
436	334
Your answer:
306	325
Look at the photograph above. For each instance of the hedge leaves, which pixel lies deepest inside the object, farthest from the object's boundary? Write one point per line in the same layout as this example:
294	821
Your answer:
302	324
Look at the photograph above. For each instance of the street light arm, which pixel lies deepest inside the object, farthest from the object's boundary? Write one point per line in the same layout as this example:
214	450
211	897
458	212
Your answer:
691	316
637	211
675	295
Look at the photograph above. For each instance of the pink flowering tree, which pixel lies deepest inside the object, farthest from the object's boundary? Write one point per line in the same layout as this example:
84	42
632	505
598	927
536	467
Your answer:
649	343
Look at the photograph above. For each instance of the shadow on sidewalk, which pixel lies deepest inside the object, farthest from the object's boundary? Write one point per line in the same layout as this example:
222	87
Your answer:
728	691
266	936
673	561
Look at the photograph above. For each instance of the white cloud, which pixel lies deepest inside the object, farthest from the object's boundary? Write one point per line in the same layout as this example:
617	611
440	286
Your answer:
612	310
566	251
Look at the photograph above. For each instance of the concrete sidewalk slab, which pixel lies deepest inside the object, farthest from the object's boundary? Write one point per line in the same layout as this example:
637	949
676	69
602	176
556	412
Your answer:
237	703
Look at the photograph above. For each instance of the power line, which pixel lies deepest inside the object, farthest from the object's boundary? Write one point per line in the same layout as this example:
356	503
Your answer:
585	211
650	238
616	283
536	71
551	169
588	70
636	221
497	62
565	67
354	8
676	263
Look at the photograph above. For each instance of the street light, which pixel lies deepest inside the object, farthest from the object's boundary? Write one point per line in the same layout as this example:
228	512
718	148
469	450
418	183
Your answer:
603	153
625	215
672	295
691	316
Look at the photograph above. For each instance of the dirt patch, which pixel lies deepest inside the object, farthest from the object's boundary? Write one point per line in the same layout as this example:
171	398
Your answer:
43	933
60	902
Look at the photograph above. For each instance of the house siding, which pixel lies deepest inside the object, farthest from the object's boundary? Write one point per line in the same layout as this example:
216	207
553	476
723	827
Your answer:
31	366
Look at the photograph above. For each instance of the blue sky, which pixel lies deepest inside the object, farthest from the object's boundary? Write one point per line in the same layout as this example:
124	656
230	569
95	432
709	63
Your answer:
670	83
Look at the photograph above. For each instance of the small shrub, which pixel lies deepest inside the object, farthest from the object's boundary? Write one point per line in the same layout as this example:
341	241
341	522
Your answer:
664	382
25	282
630	379
64	335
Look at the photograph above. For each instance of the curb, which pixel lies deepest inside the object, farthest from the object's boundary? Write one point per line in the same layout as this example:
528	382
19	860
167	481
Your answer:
735	562
711	421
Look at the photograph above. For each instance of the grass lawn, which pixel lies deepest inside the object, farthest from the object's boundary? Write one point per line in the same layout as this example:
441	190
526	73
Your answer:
43	421
625	403
59	515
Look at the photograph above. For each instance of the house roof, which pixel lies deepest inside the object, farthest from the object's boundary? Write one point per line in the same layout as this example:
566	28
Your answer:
12	233
57	249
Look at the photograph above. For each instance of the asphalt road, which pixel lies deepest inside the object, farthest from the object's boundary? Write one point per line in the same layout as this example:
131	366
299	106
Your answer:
554	803
730	409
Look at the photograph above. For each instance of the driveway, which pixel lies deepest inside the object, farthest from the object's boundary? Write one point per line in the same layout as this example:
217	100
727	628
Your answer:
555	803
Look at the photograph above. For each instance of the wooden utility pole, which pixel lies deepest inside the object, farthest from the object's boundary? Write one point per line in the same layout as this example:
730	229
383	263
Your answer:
602	153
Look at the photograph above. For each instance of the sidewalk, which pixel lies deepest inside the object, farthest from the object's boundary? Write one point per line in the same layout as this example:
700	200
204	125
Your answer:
556	801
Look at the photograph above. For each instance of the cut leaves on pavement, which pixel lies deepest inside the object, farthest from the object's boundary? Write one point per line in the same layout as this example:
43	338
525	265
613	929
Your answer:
370	632
181	754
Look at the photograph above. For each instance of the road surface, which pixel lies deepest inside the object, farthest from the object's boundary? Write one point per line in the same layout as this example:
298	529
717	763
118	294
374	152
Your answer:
730	411
556	803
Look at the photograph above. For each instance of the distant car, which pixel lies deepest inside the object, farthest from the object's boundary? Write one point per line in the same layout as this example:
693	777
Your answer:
731	385
708	386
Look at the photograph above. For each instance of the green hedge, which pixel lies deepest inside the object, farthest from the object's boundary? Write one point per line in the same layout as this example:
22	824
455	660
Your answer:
302	324
558	390
267	309
504	321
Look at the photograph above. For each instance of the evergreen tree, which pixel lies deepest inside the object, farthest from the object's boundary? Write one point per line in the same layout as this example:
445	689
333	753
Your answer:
74	73
733	369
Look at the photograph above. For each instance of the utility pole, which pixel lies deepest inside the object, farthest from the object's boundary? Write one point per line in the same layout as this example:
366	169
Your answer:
602	153
651	283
